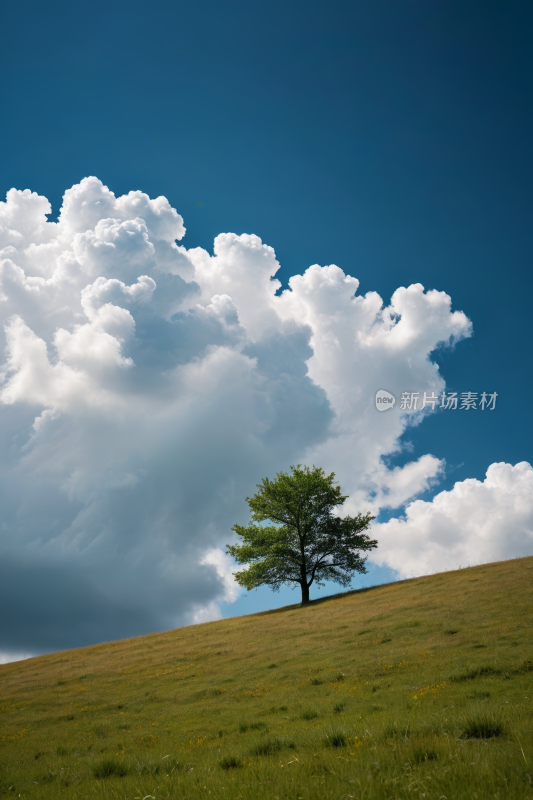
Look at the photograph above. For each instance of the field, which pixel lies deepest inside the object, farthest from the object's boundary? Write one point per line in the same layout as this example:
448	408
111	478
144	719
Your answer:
416	689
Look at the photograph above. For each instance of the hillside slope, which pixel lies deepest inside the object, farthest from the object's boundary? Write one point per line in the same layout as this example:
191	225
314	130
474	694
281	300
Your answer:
416	688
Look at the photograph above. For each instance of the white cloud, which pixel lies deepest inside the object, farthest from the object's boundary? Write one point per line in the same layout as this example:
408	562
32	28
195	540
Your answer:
148	388
24	217
474	523
241	267
8	658
358	347
224	566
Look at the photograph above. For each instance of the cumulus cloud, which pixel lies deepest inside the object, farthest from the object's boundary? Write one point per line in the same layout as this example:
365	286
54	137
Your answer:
474	523
148	388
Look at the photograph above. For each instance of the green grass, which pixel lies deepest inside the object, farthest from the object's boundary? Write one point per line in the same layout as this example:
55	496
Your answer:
109	767
420	688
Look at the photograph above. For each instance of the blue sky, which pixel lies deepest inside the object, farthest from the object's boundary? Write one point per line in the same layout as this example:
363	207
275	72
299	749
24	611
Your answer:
391	139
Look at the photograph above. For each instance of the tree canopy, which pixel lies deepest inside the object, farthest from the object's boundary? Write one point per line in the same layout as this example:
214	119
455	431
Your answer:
305	542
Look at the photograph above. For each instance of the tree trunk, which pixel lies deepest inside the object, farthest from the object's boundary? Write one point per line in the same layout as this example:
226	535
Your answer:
305	594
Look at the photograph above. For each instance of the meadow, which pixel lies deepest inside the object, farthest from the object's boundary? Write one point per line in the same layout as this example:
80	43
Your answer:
415	689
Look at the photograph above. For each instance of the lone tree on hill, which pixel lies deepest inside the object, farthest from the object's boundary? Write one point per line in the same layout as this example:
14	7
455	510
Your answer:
306	542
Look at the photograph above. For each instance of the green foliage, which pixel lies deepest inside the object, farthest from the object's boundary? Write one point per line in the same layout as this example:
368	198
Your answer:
305	542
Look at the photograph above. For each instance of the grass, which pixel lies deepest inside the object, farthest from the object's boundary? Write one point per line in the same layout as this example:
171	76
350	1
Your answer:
229	762
109	767
416	688
336	739
482	727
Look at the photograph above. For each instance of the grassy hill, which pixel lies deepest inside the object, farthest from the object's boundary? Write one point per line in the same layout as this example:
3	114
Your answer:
417	689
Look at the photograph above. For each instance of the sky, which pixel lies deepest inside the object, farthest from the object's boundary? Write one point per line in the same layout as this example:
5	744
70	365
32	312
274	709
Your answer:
224	228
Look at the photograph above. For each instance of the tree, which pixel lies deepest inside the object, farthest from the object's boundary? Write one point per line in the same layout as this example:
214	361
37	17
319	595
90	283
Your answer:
306	542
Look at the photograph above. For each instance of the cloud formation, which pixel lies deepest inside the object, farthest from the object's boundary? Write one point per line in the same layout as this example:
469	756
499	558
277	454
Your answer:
474	523
148	388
